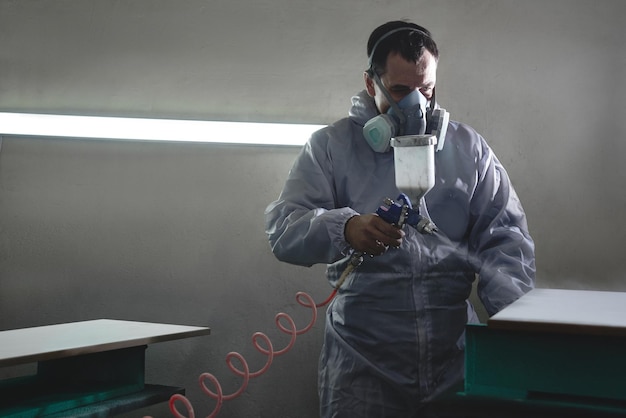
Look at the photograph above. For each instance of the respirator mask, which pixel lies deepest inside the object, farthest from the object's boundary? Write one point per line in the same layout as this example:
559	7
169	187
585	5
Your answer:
407	117
413	115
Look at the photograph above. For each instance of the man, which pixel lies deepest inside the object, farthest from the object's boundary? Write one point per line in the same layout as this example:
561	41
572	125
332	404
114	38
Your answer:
394	335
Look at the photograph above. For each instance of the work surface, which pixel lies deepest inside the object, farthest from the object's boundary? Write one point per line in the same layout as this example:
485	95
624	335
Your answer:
64	340
569	311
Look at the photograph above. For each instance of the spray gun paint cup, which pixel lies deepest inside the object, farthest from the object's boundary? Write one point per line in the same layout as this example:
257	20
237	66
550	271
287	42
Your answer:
414	158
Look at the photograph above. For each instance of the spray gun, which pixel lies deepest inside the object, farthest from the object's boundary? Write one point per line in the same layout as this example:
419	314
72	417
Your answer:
414	159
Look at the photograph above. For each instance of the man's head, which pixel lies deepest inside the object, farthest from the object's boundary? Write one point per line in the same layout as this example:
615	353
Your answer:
404	56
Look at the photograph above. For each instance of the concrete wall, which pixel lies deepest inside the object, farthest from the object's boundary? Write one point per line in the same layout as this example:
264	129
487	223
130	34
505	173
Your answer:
174	232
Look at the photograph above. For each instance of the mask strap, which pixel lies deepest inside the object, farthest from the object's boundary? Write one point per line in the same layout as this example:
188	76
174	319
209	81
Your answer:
432	106
386	35
399	114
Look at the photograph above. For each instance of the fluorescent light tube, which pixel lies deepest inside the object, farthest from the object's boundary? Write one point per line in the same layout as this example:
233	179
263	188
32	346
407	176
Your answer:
140	129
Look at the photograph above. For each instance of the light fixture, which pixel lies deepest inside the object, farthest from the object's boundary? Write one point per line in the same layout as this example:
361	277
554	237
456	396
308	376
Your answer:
141	129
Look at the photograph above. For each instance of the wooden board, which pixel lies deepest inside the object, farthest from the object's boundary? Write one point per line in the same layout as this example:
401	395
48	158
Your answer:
63	340
569	311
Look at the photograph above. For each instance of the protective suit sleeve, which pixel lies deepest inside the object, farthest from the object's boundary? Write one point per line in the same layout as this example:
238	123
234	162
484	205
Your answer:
504	249
304	226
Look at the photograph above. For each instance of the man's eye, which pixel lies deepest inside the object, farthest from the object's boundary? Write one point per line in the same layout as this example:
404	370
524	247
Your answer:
401	90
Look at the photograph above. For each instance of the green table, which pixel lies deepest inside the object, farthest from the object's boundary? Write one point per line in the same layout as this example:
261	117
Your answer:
551	353
87	369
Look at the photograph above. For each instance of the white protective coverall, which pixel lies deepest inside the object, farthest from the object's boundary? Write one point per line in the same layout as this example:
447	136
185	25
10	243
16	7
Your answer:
394	334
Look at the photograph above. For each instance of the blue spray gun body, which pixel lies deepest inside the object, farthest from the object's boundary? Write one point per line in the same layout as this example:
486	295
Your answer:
401	212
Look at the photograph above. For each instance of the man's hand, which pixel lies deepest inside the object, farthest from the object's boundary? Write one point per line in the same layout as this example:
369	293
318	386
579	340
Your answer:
371	234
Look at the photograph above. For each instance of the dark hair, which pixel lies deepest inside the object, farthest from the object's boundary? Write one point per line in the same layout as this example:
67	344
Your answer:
405	38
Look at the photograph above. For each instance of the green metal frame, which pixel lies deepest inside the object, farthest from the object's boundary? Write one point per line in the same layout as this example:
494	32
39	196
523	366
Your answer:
74	382
531	365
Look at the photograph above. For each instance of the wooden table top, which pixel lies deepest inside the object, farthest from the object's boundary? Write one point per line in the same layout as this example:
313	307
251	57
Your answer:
571	311
70	339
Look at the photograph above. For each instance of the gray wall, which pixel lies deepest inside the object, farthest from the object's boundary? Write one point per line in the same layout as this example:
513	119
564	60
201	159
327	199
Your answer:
174	232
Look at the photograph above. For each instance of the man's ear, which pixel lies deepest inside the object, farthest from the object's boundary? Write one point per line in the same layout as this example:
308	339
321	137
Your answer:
369	84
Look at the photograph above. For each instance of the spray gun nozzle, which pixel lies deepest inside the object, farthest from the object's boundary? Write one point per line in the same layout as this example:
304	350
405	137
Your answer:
426	226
